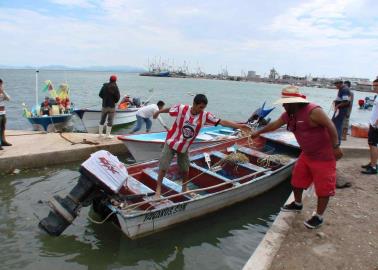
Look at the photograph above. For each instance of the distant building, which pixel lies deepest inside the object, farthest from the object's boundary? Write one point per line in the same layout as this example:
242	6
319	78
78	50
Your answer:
251	74
273	75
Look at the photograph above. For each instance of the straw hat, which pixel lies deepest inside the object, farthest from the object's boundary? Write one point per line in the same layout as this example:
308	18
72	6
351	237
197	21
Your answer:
290	94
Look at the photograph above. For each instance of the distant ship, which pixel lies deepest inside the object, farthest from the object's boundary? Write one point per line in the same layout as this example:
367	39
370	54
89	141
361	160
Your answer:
156	73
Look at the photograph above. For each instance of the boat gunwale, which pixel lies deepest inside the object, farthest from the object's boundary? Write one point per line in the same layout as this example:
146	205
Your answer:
198	198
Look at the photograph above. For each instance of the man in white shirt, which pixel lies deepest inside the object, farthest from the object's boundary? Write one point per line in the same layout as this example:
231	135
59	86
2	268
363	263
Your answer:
144	115
3	97
371	168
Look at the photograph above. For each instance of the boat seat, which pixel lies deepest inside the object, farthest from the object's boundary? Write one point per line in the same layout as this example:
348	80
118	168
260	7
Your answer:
251	152
136	186
166	182
227	131
214	174
213	133
250	166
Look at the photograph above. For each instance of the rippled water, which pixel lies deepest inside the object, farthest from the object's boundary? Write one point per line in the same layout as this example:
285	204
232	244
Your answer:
227	99
223	240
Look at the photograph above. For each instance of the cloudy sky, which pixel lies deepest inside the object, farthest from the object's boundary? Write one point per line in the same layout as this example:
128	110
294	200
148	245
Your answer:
321	38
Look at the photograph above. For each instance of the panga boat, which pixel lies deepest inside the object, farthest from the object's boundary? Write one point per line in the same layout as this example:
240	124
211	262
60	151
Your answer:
147	146
91	118
59	115
220	175
51	123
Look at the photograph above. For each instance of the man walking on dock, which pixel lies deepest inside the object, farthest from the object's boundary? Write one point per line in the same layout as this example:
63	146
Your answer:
317	137
189	120
3	119
110	96
342	104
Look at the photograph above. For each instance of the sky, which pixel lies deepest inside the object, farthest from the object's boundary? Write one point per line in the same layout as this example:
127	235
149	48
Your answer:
320	38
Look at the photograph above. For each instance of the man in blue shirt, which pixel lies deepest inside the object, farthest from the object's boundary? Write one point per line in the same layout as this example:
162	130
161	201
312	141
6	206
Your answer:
342	103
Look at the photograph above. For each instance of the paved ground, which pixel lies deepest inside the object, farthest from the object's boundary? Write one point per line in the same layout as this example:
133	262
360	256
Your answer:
36	149
349	237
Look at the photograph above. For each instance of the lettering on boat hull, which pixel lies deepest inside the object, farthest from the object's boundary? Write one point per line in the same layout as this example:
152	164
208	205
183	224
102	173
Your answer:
165	212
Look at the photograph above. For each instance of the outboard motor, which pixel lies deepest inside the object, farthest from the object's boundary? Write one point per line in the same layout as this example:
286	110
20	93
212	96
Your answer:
102	175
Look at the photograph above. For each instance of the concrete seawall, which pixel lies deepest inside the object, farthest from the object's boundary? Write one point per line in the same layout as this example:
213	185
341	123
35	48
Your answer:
36	149
264	256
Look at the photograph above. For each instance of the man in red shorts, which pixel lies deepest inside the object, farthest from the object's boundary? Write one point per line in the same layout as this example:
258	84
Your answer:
318	139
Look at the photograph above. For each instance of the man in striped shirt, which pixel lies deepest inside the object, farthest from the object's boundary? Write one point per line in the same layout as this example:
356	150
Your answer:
189	120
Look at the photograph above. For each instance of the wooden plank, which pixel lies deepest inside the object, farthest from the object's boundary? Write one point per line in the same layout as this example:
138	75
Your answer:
137	187
227	131
166	182
251	152
220	177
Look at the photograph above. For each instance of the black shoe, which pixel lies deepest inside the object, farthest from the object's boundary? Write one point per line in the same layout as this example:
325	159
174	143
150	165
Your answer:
314	222
1	148
365	166
370	170
292	207
6	144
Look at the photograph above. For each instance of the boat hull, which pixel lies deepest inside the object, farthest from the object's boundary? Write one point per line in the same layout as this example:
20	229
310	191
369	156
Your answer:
91	118
161	219
55	123
136	223
148	146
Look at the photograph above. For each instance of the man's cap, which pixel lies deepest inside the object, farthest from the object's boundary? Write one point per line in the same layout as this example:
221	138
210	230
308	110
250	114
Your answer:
113	78
337	81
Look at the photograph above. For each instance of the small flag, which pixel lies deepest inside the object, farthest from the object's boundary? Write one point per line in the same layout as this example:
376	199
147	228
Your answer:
48	86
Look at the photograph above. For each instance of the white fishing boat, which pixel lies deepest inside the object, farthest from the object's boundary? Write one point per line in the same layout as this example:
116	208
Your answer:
125	113
220	175
91	118
147	146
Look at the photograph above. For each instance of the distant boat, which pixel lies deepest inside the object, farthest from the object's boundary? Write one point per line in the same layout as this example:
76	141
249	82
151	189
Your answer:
53	123
56	121
156	73
124	114
91	118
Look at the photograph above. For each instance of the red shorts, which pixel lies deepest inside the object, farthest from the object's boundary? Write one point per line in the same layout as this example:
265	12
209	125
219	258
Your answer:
320	172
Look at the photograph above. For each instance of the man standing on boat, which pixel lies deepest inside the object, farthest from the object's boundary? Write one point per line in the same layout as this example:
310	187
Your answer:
318	139
371	168
144	115
110	96
3	119
189	120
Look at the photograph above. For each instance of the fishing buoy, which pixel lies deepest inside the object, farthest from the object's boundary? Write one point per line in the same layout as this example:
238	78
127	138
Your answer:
360	130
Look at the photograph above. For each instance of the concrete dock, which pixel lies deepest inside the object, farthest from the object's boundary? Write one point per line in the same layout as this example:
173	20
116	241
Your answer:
347	240
32	149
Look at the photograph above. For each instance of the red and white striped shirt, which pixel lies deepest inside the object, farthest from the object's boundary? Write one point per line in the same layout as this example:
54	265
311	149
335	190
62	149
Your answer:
186	127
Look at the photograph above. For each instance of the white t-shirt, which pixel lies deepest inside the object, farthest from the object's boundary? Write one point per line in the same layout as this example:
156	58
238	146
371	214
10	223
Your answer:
148	112
3	97
374	113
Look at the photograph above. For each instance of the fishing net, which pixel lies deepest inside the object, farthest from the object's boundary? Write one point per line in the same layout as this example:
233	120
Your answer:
270	160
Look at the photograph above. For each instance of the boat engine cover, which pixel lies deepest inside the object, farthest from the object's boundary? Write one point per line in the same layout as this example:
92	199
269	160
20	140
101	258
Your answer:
105	170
